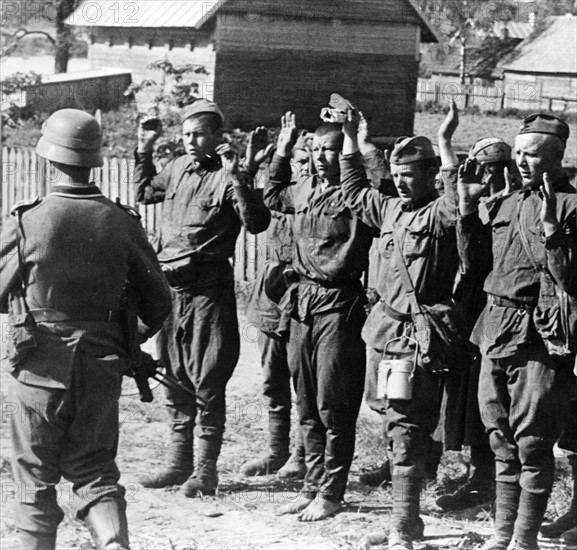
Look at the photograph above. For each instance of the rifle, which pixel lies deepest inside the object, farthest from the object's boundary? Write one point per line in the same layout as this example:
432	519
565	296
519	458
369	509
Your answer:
141	365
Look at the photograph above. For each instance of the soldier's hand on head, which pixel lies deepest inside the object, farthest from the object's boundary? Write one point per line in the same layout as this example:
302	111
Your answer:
149	130
549	207
258	149
451	122
288	135
228	157
351	125
470	185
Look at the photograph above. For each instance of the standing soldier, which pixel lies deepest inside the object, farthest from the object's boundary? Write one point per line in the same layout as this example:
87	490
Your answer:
524	390
420	260
263	311
326	352
206	199
65	261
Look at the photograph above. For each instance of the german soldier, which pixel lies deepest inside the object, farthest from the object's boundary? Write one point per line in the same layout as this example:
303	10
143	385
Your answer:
66	259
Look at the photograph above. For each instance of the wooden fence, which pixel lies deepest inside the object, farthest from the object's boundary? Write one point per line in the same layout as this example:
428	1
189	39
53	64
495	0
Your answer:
24	176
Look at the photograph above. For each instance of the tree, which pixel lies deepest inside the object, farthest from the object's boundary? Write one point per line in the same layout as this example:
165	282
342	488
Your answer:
461	20
64	35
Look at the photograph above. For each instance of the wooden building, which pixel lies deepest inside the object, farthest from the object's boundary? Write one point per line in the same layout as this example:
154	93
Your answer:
267	56
542	72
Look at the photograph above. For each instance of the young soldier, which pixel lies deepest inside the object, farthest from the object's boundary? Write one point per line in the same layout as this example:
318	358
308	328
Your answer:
65	261
463	424
326	352
417	229
206	199
263	311
524	390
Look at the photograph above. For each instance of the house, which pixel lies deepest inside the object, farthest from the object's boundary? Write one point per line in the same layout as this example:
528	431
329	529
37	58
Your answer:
267	56
542	71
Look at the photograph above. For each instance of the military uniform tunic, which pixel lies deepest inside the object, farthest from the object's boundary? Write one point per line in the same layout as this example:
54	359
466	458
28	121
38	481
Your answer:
78	250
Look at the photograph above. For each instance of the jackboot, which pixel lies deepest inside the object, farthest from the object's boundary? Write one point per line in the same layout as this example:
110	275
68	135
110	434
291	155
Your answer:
279	440
37	541
506	505
532	508
479	488
180	460
106	520
205	480
567	521
570	537
406	509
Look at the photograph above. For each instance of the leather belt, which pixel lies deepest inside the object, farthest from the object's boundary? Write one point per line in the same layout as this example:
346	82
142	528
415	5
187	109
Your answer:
48	315
504	302
396	315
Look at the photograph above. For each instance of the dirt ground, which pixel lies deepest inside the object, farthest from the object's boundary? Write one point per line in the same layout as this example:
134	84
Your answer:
242	515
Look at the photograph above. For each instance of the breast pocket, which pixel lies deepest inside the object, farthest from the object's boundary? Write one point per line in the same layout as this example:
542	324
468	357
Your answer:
417	242
386	244
202	212
333	221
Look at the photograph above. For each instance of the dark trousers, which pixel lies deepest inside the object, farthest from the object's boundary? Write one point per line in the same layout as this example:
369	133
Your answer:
410	424
524	401
70	433
327	359
200	345
276	373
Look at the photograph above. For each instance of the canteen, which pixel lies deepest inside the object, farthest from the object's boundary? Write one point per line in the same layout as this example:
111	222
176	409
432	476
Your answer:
395	376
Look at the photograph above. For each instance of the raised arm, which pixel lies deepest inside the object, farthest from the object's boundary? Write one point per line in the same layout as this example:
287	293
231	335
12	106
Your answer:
246	200
445	135
150	186
560	240
277	191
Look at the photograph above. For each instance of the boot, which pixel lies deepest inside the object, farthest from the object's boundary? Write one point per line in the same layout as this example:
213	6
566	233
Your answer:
37	541
568	520
479	488
433	459
279	439
406	508
532	508
294	467
205	480
180	460
106	520
506	505
378	476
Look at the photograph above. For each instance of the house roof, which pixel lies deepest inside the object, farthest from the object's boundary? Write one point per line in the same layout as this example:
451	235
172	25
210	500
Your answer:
516	29
552	51
144	13
184	14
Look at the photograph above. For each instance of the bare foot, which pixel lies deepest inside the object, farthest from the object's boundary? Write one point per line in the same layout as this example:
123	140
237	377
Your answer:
320	509
294	507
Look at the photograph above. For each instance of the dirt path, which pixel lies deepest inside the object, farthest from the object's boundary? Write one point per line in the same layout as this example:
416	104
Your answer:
242	516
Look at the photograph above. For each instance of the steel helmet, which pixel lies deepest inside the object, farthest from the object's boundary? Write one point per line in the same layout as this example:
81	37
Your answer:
71	137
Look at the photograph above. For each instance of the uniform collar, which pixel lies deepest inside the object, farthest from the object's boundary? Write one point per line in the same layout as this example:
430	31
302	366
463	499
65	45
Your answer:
209	165
79	191
422	202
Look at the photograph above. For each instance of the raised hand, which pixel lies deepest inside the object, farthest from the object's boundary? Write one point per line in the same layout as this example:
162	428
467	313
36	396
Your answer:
228	157
149	130
288	134
451	122
470	186
549	207
258	149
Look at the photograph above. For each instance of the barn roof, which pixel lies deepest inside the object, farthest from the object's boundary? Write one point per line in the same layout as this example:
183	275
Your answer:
195	13
552	51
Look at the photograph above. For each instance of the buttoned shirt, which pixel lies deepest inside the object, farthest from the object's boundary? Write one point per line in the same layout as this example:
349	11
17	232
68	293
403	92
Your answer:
203	208
331	245
501	329
425	233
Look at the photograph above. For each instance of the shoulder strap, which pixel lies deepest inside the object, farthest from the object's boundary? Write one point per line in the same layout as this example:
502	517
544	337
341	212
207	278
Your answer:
405	276
19	241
